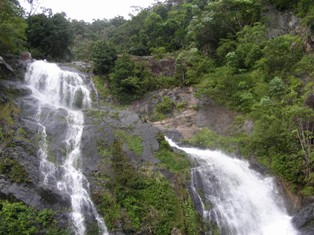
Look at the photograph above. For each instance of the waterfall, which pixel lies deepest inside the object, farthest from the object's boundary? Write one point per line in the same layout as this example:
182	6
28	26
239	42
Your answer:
238	199
59	91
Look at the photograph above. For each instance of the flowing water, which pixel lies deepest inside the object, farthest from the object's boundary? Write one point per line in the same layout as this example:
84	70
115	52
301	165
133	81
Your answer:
64	92
239	200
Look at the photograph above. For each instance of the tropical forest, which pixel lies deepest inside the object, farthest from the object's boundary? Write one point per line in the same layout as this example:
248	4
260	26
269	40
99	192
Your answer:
189	117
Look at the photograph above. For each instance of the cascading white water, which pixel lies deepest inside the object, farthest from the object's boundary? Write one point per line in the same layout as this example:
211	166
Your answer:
64	90
239	200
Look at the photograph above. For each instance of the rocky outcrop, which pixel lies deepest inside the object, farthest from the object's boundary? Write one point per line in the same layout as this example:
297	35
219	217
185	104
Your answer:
20	178
189	115
280	23
304	220
286	22
102	127
25	56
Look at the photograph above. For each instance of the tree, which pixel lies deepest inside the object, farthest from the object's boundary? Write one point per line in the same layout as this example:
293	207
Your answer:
276	88
280	54
49	36
12	27
128	35
191	65
243	52
128	80
103	57
221	19
33	7
302	119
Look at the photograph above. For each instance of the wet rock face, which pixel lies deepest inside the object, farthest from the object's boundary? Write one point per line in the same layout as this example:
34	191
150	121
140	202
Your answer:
20	178
102	128
303	220
33	195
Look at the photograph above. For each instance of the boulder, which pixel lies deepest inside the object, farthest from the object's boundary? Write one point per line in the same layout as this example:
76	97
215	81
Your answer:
25	56
34	195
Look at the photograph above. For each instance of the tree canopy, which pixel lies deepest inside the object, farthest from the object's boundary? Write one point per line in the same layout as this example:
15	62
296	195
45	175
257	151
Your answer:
103	57
49	36
12	27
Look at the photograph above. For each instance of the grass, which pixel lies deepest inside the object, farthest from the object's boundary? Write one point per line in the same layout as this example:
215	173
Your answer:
8	110
133	142
162	109
102	90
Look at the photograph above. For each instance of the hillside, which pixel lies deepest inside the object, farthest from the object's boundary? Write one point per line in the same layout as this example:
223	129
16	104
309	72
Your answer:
234	75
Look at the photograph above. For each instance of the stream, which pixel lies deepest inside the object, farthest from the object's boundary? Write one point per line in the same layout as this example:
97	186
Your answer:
239	200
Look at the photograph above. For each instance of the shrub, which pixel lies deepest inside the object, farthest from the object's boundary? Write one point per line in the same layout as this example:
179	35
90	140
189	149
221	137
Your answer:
17	218
129	80
103	57
162	109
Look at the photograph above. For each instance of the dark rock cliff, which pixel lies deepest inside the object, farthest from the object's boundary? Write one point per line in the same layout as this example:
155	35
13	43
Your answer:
19	160
20	176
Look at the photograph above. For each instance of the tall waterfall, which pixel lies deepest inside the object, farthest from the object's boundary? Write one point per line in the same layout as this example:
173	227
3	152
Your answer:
239	200
65	92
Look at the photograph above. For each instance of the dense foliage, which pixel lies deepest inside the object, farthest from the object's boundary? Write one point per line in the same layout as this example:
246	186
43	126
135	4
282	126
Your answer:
138	199
12	27
128	80
46	35
104	57
225	49
49	36
17	218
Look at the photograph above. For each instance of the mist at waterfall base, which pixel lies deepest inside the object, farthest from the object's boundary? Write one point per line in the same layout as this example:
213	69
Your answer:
238	199
59	91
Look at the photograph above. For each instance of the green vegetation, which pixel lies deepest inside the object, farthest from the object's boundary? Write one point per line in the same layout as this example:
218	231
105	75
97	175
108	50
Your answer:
103	57
8	129
14	170
8	111
12	27
209	139
102	90
133	142
46	35
162	109
142	200
49	36
129	80
225	49
258	79
17	218
173	161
